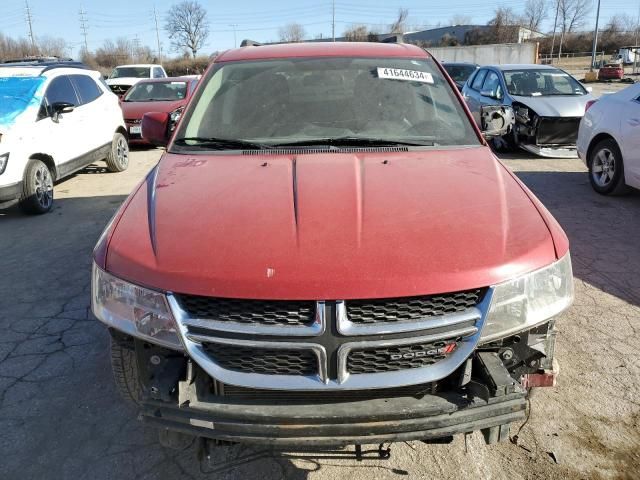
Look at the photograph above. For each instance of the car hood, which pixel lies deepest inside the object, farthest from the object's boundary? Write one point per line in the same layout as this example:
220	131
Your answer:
133	110
556	106
329	225
123	81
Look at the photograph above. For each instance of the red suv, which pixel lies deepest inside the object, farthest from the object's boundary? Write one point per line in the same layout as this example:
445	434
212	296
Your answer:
329	253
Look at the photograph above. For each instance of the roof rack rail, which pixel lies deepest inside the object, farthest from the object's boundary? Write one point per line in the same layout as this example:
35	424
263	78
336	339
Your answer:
395	38
249	43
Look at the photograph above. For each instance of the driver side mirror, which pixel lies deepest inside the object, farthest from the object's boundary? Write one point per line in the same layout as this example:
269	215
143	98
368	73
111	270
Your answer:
58	108
496	120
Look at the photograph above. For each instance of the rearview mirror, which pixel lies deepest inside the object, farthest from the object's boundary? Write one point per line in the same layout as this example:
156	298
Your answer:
58	108
496	120
155	128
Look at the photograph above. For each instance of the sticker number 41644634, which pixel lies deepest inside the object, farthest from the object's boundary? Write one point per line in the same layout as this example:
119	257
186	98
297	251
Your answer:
402	74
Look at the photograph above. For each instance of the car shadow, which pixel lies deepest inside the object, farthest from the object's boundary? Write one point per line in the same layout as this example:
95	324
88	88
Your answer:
604	232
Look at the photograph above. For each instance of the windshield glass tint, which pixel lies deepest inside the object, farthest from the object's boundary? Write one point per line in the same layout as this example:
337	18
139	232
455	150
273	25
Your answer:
459	73
146	92
16	94
131	72
543	82
293	100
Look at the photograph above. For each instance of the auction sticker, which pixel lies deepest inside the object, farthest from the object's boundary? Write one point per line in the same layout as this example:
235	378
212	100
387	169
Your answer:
402	74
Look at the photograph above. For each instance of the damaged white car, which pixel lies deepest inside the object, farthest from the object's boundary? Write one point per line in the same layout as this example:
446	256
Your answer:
548	105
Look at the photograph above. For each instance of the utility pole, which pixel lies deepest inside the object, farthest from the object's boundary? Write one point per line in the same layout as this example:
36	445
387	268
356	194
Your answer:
333	20
555	25
29	21
595	40
234	25
83	27
155	16
136	48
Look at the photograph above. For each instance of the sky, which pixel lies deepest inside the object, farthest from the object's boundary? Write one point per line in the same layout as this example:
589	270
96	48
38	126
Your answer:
255	19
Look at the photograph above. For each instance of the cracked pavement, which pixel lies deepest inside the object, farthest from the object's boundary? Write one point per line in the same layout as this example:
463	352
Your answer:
61	417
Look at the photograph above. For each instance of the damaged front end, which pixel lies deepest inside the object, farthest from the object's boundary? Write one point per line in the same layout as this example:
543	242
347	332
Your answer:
545	136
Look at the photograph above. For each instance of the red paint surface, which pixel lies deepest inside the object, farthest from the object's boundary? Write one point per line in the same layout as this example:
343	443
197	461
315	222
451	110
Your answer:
425	222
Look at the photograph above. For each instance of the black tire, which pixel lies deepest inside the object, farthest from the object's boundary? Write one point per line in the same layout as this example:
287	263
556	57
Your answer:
118	158
37	188
125	368
606	169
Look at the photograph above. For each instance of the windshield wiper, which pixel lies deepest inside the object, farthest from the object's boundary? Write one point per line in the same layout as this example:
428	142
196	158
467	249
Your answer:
216	143
352	142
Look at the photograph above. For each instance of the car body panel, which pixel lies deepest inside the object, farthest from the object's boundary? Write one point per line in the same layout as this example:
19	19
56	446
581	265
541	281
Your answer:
344	226
615	115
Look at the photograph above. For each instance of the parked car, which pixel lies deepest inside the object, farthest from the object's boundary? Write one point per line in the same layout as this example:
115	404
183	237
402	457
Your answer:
329	253
611	71
55	118
123	77
168	95
609	141
548	104
460	72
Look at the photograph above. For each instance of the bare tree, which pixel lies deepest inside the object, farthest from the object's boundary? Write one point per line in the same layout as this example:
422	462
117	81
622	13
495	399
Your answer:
187	26
503	24
399	25
291	33
572	15
460	19
535	11
52	46
356	33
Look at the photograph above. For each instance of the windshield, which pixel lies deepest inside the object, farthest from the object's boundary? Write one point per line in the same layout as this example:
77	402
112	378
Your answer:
542	82
16	94
156	91
131	72
327	101
460	73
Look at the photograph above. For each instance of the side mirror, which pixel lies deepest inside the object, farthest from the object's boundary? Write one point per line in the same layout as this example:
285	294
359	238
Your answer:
155	128
58	108
496	120
589	89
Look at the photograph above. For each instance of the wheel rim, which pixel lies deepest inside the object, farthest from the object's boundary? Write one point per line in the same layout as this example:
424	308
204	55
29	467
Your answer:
44	187
603	167
122	152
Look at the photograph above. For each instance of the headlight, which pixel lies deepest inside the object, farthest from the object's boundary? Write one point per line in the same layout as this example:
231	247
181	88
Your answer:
174	117
529	300
134	310
4	159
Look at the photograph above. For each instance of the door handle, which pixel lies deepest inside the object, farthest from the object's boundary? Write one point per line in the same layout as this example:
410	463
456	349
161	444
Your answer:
634	122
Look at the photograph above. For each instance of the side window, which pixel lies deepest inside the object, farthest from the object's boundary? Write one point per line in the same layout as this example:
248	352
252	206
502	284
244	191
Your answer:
86	87
59	90
479	78
158	73
492	84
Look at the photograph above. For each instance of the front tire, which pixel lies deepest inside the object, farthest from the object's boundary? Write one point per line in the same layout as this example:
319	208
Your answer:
37	188
118	158
125	368
606	169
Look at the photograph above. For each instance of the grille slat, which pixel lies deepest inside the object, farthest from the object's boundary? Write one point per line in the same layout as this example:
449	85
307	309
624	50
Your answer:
410	308
252	312
392	359
263	360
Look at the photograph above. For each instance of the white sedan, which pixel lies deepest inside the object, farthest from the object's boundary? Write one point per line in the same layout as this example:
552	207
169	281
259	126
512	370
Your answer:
609	141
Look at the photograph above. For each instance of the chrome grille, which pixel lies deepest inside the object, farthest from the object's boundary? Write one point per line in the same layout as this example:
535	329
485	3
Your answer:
392	359
285	313
410	308
263	360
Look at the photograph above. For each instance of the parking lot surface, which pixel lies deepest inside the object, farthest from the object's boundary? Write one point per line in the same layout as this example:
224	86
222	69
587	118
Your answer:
61	417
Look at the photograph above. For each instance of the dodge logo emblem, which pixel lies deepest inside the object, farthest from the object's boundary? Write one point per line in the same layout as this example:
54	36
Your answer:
423	353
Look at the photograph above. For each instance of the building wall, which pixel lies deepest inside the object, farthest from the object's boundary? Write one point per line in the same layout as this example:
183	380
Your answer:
488	54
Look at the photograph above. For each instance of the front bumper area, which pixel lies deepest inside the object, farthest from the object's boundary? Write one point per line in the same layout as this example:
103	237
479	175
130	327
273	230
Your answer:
490	401
551	151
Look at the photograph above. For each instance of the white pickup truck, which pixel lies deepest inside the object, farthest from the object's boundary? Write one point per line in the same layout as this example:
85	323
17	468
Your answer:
123	77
